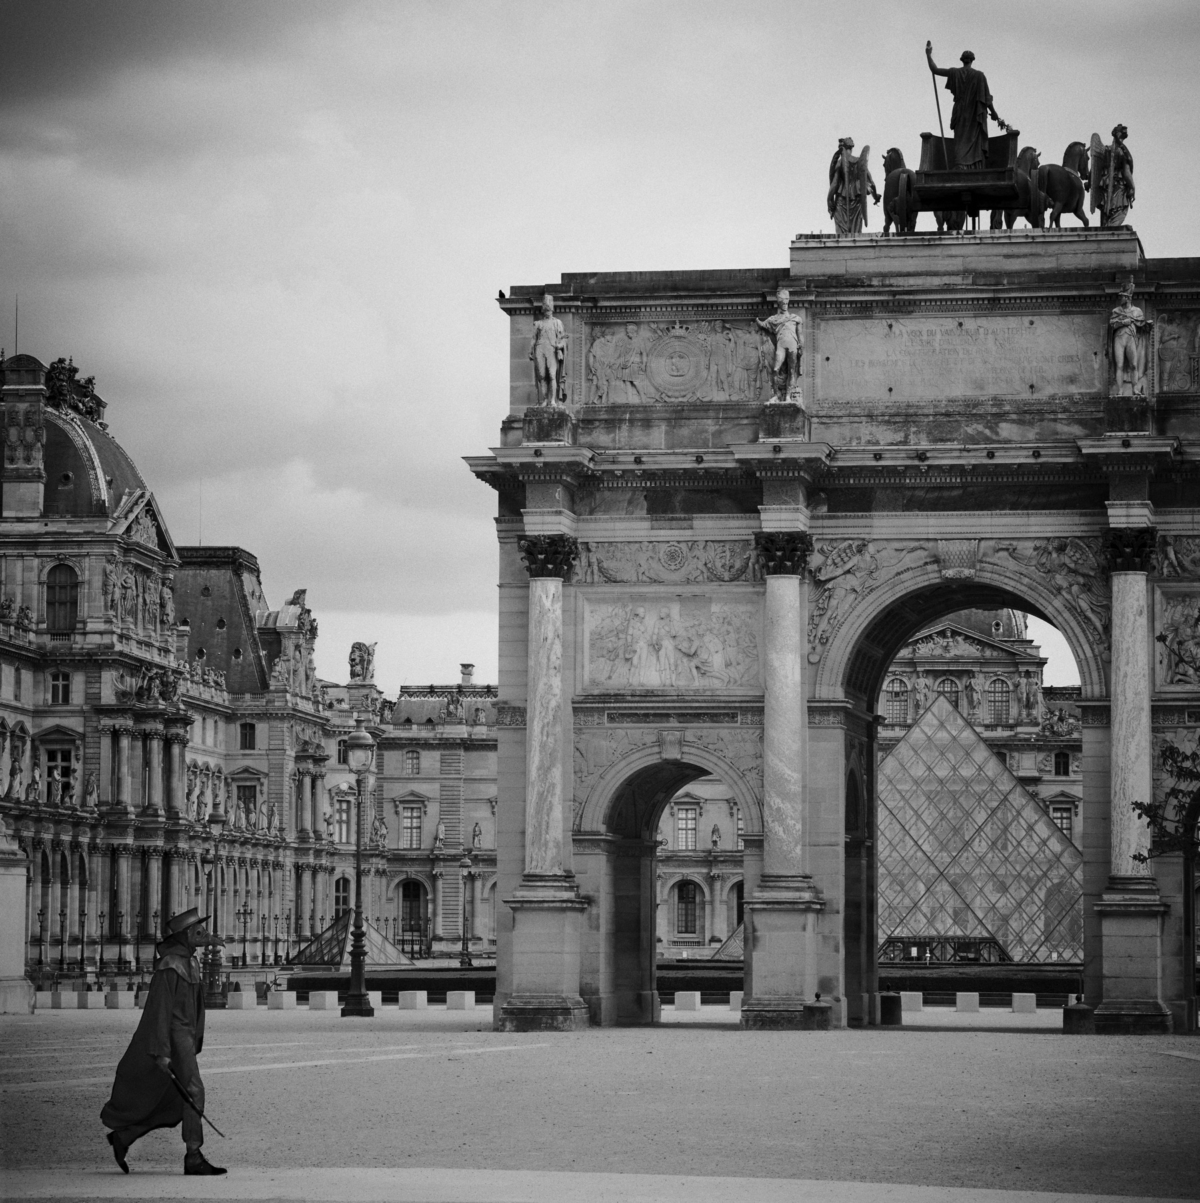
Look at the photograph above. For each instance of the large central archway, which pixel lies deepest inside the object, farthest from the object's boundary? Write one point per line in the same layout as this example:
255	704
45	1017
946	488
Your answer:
615	859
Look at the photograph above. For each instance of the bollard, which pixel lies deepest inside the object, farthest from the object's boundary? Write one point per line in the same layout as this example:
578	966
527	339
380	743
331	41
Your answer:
241	1000
966	1001
414	1000
687	1000
1078	1018
281	1000
1024	1004
114	1000
375	998
460	1000
322	1000
891	1007
912	1000
735	999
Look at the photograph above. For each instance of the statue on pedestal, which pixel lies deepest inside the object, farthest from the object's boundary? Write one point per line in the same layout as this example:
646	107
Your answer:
548	350
1128	345
849	183
1112	178
787	334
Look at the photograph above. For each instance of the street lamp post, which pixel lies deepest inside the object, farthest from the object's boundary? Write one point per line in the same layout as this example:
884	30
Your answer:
137	943
464	872
276	923
99	948
120	939
287	937
41	936
245	913
83	940
62	941
360	752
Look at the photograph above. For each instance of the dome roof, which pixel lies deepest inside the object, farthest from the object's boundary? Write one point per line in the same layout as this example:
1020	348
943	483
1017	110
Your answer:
87	471
991	624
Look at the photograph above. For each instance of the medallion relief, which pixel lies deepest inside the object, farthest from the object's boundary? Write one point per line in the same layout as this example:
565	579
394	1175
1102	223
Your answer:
685	562
640	363
671	642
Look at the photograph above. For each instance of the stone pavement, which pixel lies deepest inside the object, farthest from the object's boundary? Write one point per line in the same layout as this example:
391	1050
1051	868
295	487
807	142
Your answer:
434	1106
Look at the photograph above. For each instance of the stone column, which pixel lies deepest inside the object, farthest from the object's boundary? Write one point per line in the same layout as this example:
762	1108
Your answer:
307	820
56	890
152	742
95	871
177	784
16	990
154	894
1131	911
546	905
124	782
477	931
72	902
318	801
305	902
124	900
781	914
438	893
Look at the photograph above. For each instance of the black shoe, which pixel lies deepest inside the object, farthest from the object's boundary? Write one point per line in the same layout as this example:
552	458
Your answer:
119	1149
197	1163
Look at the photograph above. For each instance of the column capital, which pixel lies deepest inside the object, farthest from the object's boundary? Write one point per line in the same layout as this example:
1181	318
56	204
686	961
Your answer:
783	553
1130	548
549	555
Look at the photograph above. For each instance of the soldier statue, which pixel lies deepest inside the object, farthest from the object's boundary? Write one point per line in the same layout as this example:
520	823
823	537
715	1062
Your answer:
1128	340
785	331
548	350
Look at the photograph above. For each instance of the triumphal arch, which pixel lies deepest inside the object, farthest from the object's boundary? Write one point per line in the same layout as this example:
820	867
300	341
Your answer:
727	498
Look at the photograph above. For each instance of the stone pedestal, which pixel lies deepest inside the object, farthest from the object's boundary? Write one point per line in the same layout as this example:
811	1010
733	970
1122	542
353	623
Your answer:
547	424
16	991
1131	919
784	420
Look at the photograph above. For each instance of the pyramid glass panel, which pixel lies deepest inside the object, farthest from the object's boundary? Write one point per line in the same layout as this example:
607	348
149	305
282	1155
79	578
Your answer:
966	850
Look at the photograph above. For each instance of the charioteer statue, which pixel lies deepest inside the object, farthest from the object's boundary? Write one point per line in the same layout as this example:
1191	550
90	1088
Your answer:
972	104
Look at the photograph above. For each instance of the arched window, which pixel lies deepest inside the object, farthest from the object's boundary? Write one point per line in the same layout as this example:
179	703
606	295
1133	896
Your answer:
62	598
686	895
412	764
998	699
412	907
897	701
341	896
949	690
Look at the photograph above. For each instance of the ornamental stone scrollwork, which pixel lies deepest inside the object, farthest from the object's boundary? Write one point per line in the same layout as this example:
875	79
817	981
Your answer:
1072	568
640	363
958	558
595	752
740	747
684	562
1130	549
844	572
1179	352
783	553
549	555
672	642
510	716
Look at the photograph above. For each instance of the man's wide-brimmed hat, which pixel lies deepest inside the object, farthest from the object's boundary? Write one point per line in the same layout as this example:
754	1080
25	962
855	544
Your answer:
184	920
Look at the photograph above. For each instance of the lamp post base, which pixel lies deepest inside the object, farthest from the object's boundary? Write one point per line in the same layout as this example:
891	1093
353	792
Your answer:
358	1004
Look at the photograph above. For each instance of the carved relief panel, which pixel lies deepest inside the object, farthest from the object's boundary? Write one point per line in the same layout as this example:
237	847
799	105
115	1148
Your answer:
1179	352
683	562
1177	638
639	362
671	641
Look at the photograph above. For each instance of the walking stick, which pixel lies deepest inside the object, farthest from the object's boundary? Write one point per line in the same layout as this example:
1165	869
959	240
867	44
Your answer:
187	1098
938	101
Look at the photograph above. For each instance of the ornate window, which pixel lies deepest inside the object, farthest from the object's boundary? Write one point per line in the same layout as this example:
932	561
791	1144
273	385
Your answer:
412	907
246	735
60	689
1062	764
686	908
410	832
62	598
897	701
685	829
60	766
1062	819
412	764
948	688
342	745
998	699
342	819
341	896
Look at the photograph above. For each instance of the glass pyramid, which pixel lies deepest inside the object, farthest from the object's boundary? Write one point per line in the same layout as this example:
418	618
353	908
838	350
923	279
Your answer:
332	946
966	850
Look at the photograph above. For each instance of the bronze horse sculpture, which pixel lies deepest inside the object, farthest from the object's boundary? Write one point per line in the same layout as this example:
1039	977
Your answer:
1065	188
1030	204
900	205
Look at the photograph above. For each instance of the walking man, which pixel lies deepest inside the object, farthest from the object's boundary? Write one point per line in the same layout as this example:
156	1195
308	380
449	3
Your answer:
167	1040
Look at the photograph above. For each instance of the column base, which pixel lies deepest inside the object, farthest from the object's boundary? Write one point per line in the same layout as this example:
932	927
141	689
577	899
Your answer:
545	957
781	946
1131	917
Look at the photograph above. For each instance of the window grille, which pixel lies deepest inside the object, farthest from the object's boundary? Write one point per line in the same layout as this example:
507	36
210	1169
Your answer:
62	598
998	703
412	764
341	751
949	690
685	908
341	896
60	689
1062	764
1063	819
343	820
411	832
897	701
247	735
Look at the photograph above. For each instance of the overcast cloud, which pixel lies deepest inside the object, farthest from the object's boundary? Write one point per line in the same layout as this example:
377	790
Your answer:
274	232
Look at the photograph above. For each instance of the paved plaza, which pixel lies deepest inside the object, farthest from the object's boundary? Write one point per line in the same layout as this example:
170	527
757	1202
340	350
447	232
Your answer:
434	1105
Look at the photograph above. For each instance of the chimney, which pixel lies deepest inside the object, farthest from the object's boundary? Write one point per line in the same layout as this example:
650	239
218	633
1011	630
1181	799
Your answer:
468	673
23	401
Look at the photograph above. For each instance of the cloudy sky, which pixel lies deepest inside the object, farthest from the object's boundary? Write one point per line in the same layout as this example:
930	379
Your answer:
274	232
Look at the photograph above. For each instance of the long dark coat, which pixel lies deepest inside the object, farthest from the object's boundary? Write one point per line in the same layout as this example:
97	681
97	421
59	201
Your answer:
172	1025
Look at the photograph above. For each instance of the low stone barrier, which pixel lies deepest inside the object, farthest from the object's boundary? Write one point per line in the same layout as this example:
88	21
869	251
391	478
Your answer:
241	1000
322	1000
966	1001
911	1000
460	1000
735	999
281	1000
687	1000
1024	1004
114	1000
413	1000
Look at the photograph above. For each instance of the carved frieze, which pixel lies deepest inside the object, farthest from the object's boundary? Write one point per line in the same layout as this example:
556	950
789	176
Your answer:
509	716
595	751
1177	555
640	363
640	717
672	642
683	562
1179	352
1177	635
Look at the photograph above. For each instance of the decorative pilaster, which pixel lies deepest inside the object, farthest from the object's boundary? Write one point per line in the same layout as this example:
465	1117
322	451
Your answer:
152	741
176	780
124	782
781	914
1131	911
546	906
